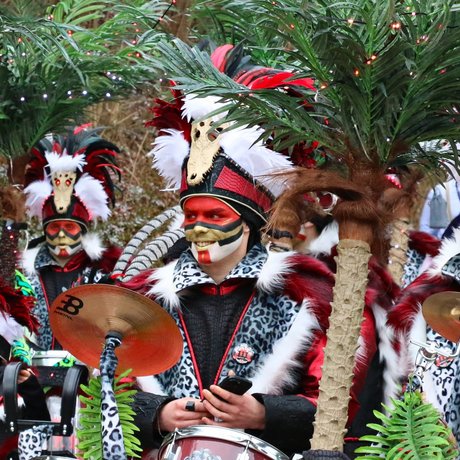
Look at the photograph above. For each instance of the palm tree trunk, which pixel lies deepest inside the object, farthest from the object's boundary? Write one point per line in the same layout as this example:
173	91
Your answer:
342	343
397	256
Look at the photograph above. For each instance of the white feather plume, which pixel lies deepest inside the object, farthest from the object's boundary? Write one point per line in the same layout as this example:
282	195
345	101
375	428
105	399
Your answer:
240	144
64	162
168	155
195	107
259	161
92	194
10	329
36	194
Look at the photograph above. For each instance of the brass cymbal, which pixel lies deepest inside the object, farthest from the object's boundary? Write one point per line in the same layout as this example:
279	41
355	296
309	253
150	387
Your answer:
81	317
442	312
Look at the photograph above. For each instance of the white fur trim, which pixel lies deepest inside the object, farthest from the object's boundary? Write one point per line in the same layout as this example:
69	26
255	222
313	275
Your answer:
395	369
36	194
28	261
2	408
64	162
274	373
326	240
274	271
150	384
92	245
169	153
163	289
450	247
92	194
10	329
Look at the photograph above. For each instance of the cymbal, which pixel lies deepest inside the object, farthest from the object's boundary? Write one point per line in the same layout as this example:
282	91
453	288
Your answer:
81	317
442	312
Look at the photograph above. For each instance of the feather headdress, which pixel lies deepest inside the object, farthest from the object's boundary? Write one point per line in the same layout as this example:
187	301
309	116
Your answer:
72	177
199	156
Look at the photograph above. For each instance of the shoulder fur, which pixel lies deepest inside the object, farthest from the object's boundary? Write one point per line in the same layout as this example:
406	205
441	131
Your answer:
28	260
450	247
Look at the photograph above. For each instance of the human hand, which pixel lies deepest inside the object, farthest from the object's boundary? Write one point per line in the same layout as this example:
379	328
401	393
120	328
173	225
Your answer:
234	411
24	375
175	414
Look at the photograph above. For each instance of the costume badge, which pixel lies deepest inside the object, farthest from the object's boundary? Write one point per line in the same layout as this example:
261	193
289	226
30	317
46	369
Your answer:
243	354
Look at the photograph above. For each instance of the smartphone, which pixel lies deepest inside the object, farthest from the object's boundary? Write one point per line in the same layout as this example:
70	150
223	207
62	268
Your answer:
235	384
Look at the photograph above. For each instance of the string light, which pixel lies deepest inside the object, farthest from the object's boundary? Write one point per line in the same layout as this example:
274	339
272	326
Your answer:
350	21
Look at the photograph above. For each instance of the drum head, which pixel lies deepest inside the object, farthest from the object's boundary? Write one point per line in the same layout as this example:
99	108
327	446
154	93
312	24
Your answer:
216	443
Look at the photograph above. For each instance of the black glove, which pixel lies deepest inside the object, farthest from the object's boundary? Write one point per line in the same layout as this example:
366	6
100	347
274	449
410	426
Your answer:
34	400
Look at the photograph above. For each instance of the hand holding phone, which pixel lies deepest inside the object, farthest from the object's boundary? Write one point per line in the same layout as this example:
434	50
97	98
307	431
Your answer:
235	384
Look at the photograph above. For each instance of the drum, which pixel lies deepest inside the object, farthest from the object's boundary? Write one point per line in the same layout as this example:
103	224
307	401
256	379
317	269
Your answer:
50	357
51	368
216	443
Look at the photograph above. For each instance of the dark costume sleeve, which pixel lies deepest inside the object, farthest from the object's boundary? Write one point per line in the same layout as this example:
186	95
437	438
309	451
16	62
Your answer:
35	407
289	418
288	422
147	406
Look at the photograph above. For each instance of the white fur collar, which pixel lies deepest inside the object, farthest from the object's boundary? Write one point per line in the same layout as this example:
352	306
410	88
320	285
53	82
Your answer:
450	247
91	244
277	371
270	278
28	260
326	240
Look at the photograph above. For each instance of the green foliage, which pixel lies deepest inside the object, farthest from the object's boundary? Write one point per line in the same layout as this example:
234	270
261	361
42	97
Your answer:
76	54
387	74
89	433
412	431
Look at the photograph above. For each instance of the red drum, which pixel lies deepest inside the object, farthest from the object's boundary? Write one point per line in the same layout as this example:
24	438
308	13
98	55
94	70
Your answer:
216	443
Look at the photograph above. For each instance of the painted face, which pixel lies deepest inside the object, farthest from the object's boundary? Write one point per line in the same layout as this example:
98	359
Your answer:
213	228
63	238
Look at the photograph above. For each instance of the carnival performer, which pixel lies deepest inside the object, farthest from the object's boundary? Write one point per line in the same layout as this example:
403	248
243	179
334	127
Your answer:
440	385
378	372
69	185
239	308
16	319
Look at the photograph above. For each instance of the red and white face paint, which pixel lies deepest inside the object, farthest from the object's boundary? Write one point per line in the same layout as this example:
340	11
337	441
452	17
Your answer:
63	238
214	229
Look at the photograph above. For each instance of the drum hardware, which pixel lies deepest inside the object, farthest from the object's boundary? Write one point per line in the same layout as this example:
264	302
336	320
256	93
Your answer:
427	355
113	328
171	453
245	454
201	442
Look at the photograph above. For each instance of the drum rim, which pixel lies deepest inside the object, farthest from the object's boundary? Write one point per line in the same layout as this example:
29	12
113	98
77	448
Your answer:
235	435
51	353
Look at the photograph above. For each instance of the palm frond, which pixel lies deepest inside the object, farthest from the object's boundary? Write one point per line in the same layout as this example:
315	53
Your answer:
52	68
412	430
387	74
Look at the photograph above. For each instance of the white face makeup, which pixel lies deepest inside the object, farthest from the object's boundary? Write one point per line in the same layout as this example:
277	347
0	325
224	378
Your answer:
63	238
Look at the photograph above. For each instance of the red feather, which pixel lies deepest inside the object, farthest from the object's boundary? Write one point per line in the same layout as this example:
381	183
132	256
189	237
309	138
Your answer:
424	243
18	306
408	305
219	55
